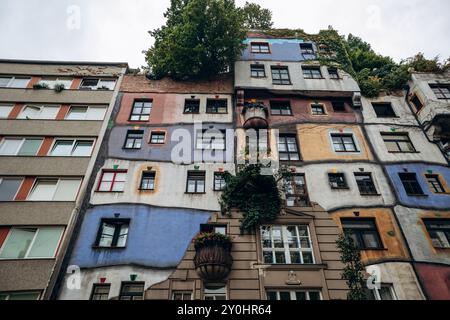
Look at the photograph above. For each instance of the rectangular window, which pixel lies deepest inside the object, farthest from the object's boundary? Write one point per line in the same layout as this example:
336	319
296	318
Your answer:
100	291
294	295
52	82
9	188
31	243
39	112
216	106
215	292
312	72
280	75
416	102
338	106
260	47
296	192
195	182
14	82
317	109
287	245
282	108
72	148
134	139
132	291
398	142
148	180
385	292
333	73
288	148
343	143
364	233
210	140
383	110
86	113
23	295
434	183
20	146
258	71
112	181
410	183
337	181
365	183
5	110
192	106
157	137
54	190
181	295
141	110
113	233
442	91
439	231
214	228
307	50
219	181
98	84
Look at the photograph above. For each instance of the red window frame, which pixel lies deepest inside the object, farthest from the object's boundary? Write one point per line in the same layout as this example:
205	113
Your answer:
115	172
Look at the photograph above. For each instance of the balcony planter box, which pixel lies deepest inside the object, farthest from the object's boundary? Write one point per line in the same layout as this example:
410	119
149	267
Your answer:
255	116
213	259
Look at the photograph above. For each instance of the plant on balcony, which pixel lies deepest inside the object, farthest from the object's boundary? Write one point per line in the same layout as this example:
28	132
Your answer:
254	105
256	195
208	238
59	87
39	86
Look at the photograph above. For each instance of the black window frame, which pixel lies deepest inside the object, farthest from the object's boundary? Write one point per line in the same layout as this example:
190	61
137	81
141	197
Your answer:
415	100
137	136
211	108
147	175
258	74
339	106
286	144
433	229
436	185
183	295
438	88
359	232
191	109
259	46
158	133
117	227
218	176
100	285
299	194
279	71
196	175
341	143
280	106
133	294
318	106
411	184
388	137
141	114
308	72
384	110
309	51
333	73
366	187
340	185
212	228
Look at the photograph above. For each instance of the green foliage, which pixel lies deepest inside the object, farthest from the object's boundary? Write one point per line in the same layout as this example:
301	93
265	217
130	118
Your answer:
256	195
206	238
354	270
38	86
59	87
256	17
201	38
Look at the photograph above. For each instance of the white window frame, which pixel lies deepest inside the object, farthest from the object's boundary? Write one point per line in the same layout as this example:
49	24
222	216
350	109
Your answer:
213	295
74	143
41	107
11	80
86	113
21	144
58	180
63	229
99	84
17	178
293	294
376	291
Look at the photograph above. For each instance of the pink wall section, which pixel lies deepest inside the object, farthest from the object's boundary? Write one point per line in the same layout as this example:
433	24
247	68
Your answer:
436	280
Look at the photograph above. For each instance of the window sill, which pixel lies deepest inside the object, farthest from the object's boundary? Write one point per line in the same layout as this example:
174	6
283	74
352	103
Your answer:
400	152
370	195
296	266
343	189
195	193
108	248
418	195
315	78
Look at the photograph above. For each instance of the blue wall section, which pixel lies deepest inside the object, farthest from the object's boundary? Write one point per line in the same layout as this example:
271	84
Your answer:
280	50
438	201
158	237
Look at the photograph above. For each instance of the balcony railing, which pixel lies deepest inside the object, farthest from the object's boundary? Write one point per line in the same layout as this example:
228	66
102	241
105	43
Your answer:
255	116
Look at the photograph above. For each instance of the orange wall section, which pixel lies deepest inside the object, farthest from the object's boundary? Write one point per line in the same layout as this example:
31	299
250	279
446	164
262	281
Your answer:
25	189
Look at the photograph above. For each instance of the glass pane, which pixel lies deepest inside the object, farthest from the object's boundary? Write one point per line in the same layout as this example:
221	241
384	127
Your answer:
191	186
49	113
82	149
385	293
9	147
295	257
105	186
77	113
370	240
17	244
19	83
280	257
30	147
123	235
271	295
107	235
95	113
62	148
307	258
118	186
4	81
43	190
299	295
67	190
9	188
5	111
24	296
268	257
285	295
314	295
121	176
109	84
29	112
46	242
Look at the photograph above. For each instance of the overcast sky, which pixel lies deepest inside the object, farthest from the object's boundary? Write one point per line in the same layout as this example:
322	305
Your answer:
116	30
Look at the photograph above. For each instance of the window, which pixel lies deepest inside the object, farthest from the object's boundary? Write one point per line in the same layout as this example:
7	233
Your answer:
288	148
216	106
148	180
31	243
134	139
337	181
343	143
312	72
192	106
113	233
219	181
434	183
260	47
383	110
31	295
86	113
14	82
293	295
141	110
364	233
181	295
214	228
211	139
333	73
72	148
416	102
20	146
385	292
439	231
157	137
9	188
442	91
286	245
398	142
258	71
51	82
98	84
338	106
100	291
280	108
307	49
195	182
317	109
280	75
39	112
215	292
112	181
410	183
5	110
132	291
54	190
296	192
365	183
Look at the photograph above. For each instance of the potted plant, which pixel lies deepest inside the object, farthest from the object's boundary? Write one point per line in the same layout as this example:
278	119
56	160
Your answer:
59	87
38	86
